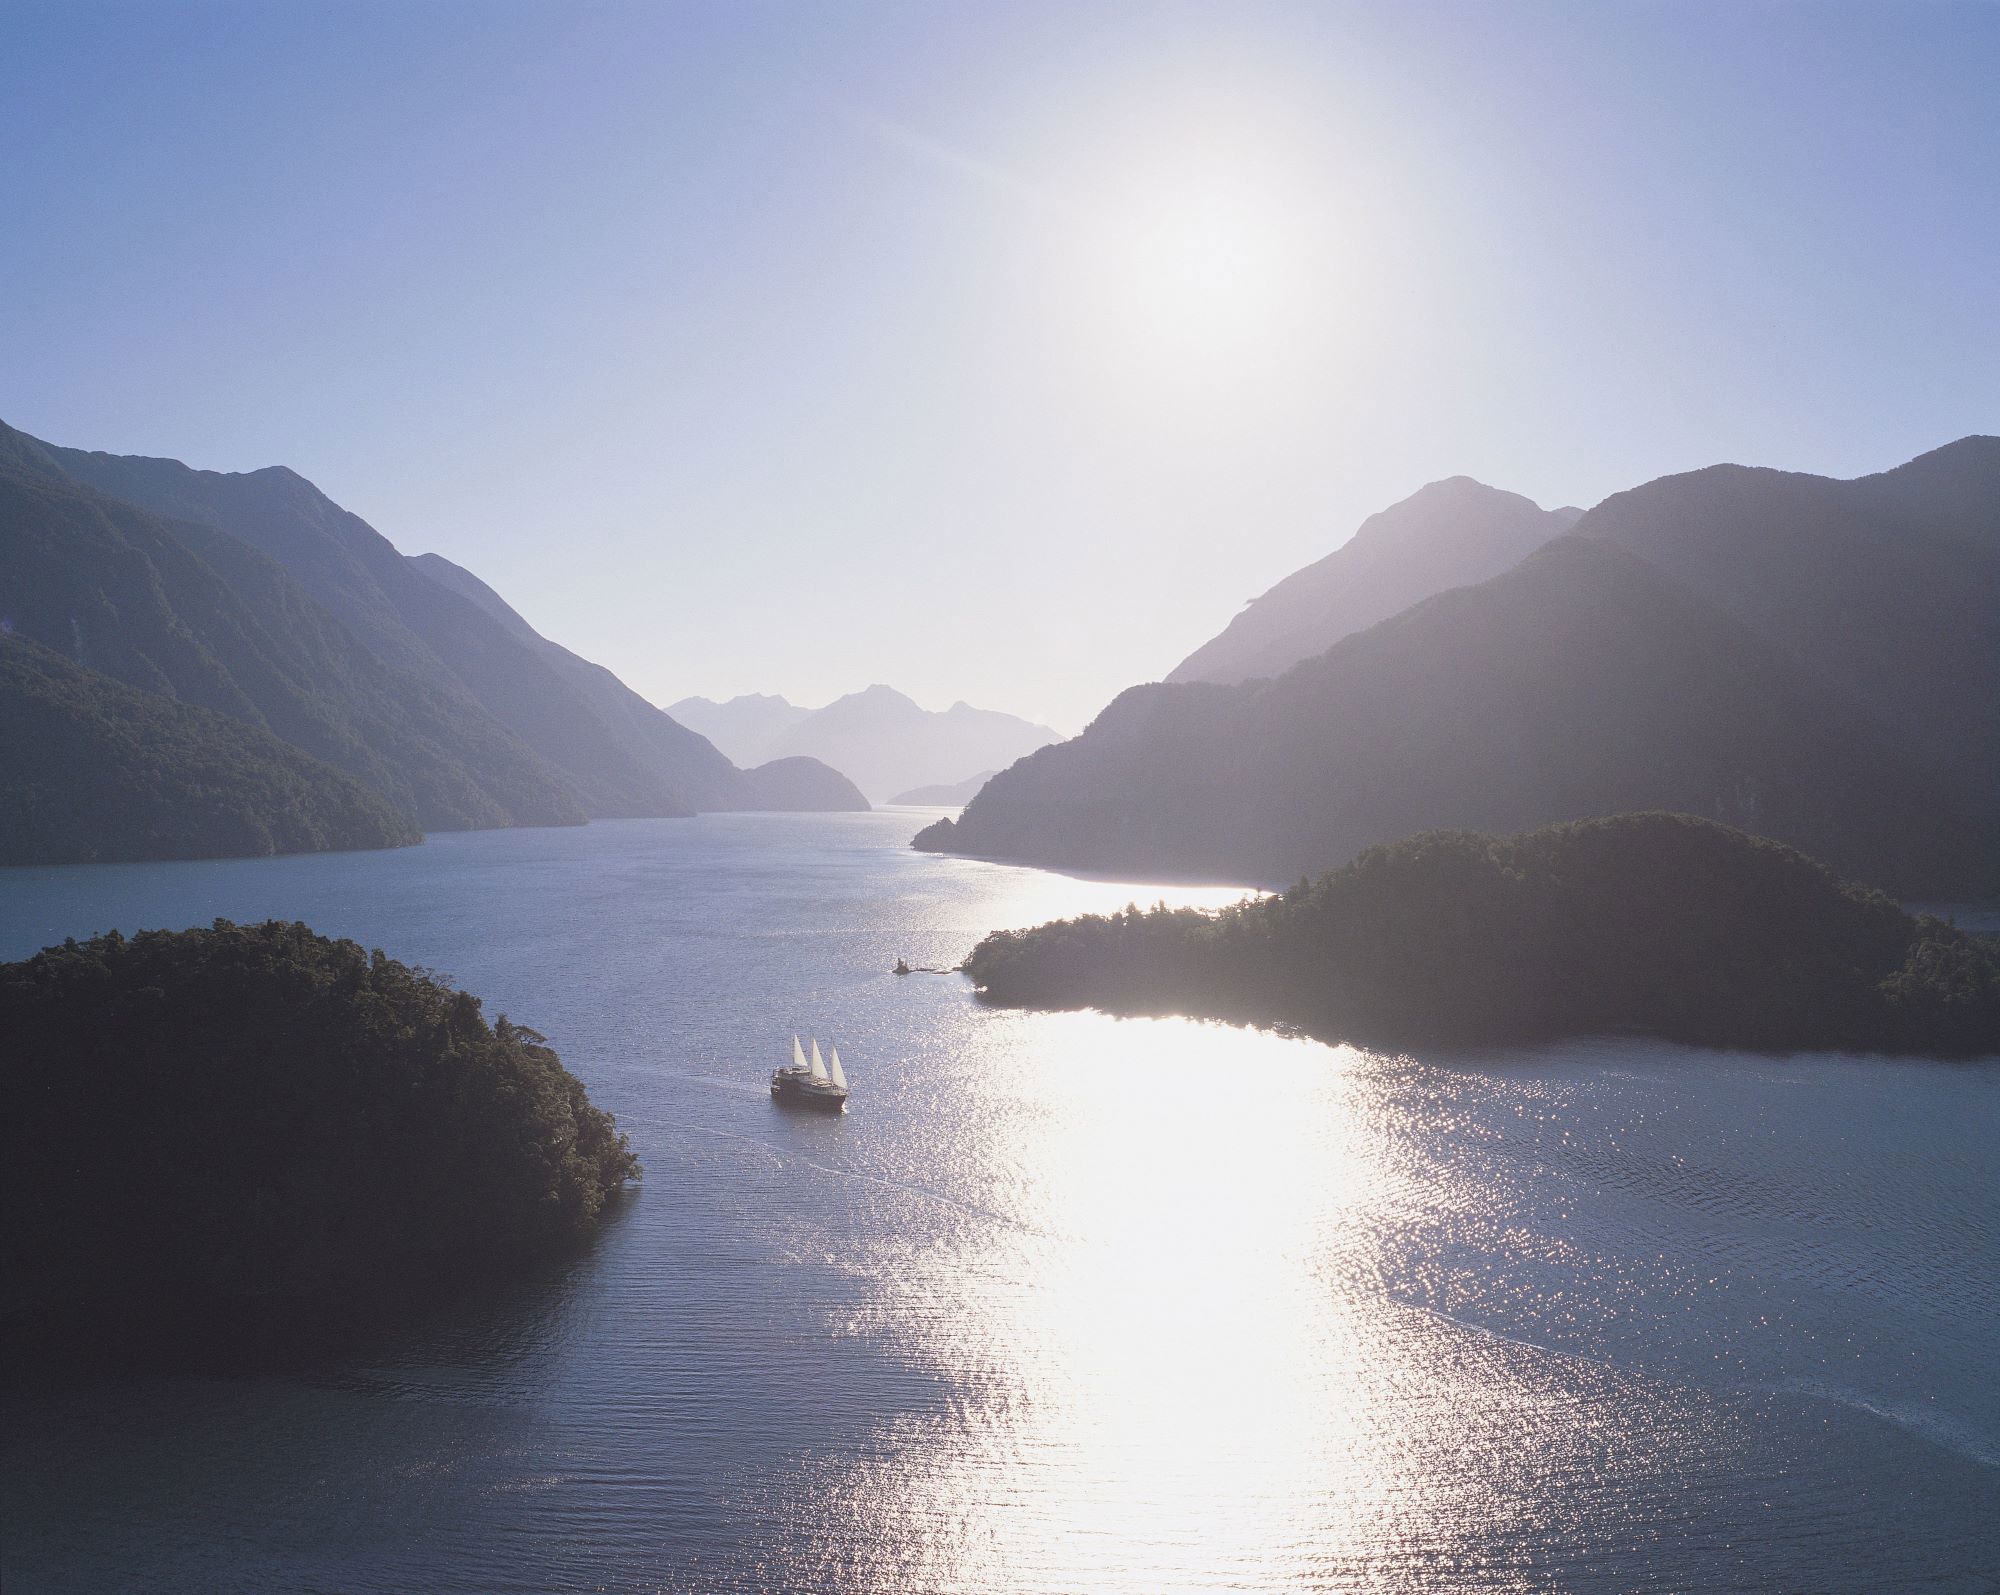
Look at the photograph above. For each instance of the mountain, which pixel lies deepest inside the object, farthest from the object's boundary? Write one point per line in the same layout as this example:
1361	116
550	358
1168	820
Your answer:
744	727
796	784
1887	587
186	611
398	612
465	715
952	794
1590	679
886	743
99	771
882	740
1450	534
678	758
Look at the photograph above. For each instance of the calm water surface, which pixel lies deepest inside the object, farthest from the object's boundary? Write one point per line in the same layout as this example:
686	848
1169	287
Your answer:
1066	1302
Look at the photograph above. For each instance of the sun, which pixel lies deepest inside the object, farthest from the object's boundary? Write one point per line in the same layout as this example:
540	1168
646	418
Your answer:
1199	261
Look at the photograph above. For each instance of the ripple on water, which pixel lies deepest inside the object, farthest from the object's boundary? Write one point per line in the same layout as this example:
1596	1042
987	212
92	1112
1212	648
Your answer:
1067	1302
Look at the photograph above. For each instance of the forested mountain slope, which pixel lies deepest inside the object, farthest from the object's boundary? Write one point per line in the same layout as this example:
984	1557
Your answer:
257	595
189	612
402	615
1751	682
675	755
97	771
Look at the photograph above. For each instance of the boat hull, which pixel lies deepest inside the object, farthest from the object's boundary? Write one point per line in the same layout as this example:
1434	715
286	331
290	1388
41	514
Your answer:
801	1091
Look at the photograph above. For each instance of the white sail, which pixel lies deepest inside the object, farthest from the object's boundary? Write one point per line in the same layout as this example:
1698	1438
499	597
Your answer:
798	1053
819	1068
839	1074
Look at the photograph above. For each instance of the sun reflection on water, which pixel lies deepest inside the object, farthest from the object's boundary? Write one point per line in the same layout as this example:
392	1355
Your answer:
1186	1342
1149	1320
1071	1303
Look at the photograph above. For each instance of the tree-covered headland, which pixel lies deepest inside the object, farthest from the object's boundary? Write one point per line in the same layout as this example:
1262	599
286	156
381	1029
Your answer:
1662	924
256	1110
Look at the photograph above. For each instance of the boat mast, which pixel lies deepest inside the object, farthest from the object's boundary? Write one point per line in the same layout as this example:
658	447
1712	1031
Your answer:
818	1068
839	1074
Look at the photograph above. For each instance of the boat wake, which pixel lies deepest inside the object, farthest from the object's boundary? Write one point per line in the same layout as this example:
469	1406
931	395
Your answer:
1937	1428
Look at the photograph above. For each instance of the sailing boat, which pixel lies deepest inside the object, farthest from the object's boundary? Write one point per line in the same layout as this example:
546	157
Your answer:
811	1084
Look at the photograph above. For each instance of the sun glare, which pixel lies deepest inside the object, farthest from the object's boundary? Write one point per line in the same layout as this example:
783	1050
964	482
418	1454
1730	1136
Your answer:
1199	262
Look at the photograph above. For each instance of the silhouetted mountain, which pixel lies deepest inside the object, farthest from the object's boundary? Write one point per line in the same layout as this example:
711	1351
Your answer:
97	771
882	740
745	727
677	757
294	614
399	612
1585	681
1450	534
885	742
184	610
1657	923
1886	587
952	794
22	455
802	785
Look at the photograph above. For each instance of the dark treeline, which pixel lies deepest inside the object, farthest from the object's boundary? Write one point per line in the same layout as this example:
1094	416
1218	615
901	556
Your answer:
252	1110
1659	923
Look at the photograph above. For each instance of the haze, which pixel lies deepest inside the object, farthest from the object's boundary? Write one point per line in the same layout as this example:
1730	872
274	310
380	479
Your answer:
996	353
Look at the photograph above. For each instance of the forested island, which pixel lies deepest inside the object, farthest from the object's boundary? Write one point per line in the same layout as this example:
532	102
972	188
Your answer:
1661	924
194	1119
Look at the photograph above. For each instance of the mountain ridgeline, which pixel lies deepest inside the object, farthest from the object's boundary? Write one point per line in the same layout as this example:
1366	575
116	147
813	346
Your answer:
887	742
1661	924
668	752
257	598
1450	534
951	794
184	610
1814	661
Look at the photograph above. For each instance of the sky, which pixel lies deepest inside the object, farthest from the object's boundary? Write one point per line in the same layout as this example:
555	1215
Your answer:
996	352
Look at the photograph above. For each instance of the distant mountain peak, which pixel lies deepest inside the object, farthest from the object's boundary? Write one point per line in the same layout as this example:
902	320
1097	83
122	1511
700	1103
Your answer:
1460	486
882	695
881	739
1449	533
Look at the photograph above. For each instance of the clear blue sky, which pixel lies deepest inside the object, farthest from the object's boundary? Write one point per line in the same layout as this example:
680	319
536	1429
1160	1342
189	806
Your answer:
994	351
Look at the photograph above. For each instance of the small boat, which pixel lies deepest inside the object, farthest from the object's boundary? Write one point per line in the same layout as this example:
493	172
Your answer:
811	1085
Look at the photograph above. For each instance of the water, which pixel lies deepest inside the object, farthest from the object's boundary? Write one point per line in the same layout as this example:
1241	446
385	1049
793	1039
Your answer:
1067	1302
